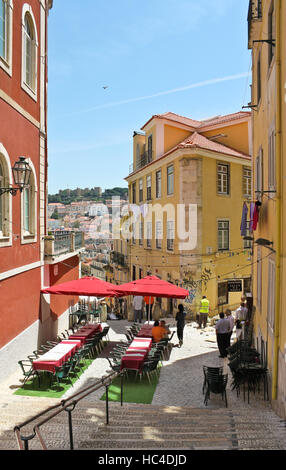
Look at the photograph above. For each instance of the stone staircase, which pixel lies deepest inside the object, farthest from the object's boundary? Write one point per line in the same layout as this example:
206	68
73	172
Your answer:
149	427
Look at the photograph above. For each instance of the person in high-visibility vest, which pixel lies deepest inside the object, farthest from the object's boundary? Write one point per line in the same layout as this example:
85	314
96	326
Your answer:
204	312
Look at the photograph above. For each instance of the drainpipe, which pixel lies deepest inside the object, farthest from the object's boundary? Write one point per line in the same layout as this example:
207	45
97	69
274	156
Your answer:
278	201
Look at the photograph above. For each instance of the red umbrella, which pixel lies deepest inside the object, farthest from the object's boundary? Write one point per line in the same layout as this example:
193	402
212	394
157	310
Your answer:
89	286
152	286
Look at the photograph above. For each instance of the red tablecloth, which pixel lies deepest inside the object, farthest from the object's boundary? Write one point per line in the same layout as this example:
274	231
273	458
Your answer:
136	354
55	357
132	361
86	332
145	331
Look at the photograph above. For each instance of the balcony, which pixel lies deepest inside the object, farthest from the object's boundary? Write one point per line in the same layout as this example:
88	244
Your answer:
143	160
59	243
254	15
119	259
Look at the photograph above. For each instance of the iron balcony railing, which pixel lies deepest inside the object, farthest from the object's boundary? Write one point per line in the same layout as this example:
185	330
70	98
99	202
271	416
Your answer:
143	160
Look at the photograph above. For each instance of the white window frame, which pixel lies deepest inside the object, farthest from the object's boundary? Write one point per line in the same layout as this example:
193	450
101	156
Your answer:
170	180
149	234
6	199
223	179
31	89
158	184
246	181
159	234
223	229
148	187
259	174
6	62
29	234
140	190
170	235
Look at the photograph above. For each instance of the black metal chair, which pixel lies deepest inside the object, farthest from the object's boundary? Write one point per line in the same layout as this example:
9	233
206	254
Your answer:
28	371
212	370
215	383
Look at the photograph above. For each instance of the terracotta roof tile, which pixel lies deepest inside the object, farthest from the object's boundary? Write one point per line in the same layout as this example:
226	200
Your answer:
197	140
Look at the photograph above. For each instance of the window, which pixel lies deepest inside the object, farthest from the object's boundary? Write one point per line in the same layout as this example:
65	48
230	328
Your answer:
247	243
134	193
29	209
149	234
5	199
170	235
140	233
2	185
271	161
158	184
222	178
149	188
5	35
259	279
150	149
259	79
246	183
170	180
3	29
223	235
29	52
271	293
133	233
271	33
159	234
133	273
140	190
259	173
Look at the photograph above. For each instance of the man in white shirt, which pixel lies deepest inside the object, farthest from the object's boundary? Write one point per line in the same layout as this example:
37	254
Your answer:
137	305
230	318
240	318
222	329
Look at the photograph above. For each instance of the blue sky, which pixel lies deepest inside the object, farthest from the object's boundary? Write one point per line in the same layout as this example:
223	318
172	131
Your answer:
155	56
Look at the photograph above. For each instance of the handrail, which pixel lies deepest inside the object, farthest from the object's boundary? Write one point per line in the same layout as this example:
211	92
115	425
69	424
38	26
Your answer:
65	405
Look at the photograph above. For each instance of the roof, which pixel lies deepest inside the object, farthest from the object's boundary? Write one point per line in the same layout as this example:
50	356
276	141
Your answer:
197	140
195	124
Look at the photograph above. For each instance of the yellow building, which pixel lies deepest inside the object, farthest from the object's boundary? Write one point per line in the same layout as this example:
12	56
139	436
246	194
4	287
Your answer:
267	40
187	185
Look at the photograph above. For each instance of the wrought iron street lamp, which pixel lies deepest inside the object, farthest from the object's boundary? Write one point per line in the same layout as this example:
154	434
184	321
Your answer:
21	174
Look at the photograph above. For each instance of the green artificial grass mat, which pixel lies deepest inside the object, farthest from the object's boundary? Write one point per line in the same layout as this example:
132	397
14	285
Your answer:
134	390
51	390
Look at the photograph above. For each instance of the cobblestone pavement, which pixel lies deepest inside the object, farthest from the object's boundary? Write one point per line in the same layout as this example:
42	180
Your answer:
180	384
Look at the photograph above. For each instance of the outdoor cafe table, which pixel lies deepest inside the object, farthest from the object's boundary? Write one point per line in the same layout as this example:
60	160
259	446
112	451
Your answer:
136	354
85	332
145	331
56	356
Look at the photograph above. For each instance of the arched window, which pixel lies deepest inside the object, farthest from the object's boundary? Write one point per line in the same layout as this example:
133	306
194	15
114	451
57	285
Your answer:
5	199
6	35
29	52
29	209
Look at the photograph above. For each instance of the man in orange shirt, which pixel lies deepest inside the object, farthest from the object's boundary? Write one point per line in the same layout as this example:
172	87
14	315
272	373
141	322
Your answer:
149	301
158	332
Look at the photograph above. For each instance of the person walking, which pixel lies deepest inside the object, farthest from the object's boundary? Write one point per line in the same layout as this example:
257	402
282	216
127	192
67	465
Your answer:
149	301
240	319
230	318
137	306
222	329
180	319
204	312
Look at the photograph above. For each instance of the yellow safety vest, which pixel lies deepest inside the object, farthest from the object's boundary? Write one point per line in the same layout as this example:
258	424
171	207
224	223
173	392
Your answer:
204	306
